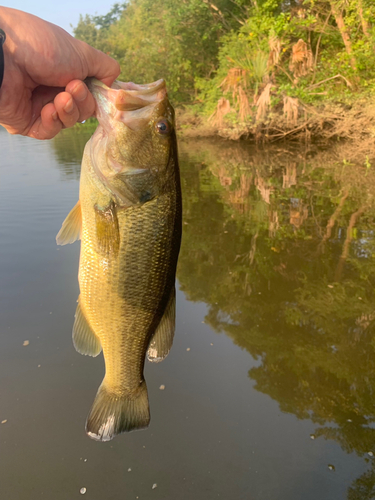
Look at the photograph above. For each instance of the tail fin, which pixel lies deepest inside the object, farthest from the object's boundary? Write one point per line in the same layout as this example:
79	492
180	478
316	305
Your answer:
112	414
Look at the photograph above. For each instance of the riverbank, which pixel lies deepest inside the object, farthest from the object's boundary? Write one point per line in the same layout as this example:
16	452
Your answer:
249	70
351	127
289	121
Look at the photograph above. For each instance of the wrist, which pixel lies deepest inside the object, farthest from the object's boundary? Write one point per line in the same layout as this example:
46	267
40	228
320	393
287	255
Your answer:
8	19
2	41
9	66
10	91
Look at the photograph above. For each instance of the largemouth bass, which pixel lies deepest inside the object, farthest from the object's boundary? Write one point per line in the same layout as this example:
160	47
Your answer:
129	219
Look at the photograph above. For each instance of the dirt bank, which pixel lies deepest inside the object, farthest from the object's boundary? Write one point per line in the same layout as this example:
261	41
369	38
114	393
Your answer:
298	122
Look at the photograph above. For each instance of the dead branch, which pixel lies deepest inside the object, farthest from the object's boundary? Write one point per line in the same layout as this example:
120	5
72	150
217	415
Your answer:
317	45
293	131
331	78
285	73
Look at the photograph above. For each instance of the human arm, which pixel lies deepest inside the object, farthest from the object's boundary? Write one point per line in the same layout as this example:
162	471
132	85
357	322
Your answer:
42	90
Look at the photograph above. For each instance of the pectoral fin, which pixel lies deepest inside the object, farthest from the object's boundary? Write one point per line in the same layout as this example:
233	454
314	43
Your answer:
107	230
71	228
84	339
162	340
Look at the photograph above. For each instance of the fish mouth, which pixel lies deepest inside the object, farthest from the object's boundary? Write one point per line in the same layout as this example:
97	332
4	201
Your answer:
127	113
127	102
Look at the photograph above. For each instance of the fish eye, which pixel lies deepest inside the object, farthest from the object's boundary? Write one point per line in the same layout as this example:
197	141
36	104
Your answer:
163	127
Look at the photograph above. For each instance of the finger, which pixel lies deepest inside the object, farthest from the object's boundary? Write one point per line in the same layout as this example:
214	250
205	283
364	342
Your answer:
100	65
41	97
82	98
67	109
47	125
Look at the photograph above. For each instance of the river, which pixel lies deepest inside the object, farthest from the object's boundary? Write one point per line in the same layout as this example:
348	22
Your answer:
268	392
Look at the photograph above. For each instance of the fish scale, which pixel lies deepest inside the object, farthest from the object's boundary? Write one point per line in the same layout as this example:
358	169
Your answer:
121	303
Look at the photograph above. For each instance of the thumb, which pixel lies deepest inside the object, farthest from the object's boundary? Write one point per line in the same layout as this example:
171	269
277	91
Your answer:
98	64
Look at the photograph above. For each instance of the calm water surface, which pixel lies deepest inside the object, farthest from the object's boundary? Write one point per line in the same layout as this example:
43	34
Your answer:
270	385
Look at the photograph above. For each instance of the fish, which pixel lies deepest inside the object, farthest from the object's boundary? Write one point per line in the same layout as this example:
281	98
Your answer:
128	218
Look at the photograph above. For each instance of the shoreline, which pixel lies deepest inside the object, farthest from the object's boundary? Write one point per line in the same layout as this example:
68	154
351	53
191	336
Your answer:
352	127
326	124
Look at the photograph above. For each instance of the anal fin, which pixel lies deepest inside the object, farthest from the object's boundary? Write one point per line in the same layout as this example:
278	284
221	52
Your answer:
84	339
162	340
71	228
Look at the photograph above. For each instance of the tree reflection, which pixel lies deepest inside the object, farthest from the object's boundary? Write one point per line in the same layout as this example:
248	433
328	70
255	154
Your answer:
280	244
68	147
282	251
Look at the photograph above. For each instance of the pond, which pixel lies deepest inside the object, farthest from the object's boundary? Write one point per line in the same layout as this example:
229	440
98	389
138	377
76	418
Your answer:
268	391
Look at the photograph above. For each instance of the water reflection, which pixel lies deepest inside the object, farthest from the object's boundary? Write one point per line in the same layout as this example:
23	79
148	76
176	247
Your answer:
279	243
68	147
282	252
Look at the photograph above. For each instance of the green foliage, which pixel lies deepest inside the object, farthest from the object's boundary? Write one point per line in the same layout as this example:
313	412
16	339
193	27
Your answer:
169	39
250	47
104	22
87	31
195	45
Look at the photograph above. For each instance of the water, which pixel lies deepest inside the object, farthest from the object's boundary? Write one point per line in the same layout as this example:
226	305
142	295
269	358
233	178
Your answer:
269	387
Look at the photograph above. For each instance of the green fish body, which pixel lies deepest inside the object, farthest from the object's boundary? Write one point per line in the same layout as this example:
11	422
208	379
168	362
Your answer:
129	220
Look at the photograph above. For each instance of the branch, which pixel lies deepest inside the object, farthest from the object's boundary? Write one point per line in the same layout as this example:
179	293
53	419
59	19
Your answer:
285	72
327	79
317	45
284	134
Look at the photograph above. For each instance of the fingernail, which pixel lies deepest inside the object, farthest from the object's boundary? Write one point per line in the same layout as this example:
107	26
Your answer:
68	108
79	92
55	116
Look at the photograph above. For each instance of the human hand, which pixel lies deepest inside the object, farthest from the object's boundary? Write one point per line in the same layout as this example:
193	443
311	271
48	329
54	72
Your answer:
42	90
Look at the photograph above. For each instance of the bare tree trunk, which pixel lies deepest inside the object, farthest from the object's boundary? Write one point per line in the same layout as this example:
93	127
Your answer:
339	18
365	26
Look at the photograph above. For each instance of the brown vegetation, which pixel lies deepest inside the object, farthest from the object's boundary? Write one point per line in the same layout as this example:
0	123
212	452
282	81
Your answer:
301	60
292	120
